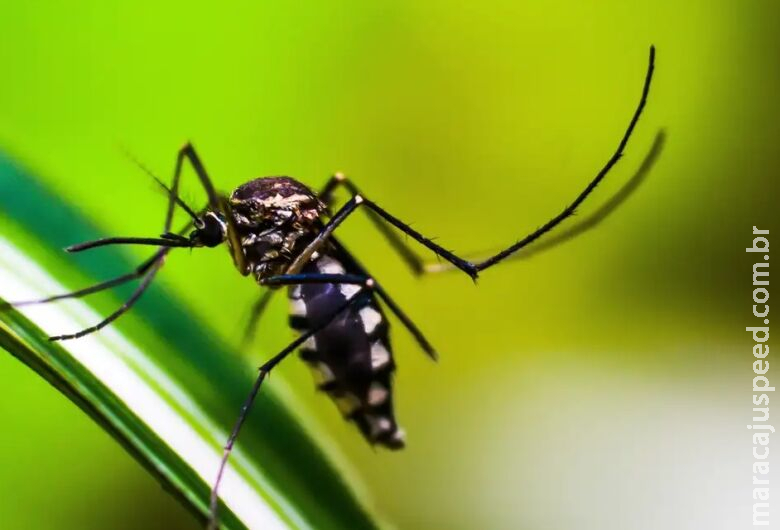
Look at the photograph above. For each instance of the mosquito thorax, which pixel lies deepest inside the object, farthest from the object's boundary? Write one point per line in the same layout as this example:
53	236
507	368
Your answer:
275	217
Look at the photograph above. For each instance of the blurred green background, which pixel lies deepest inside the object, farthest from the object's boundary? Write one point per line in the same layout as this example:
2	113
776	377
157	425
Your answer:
604	384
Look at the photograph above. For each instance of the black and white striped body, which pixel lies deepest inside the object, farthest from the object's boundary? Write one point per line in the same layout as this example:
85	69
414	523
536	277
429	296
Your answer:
351	358
275	218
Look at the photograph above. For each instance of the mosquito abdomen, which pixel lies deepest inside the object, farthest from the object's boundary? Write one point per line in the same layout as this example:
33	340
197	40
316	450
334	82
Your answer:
351	359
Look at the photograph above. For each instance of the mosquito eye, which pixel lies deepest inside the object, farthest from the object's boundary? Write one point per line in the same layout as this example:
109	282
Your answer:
213	231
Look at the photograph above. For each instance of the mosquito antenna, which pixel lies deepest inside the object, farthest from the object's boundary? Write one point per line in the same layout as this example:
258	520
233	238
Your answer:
178	200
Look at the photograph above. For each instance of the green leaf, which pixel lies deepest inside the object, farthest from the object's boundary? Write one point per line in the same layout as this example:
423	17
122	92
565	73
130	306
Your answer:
159	381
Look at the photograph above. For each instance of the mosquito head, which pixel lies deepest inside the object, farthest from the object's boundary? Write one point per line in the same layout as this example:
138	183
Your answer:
210	230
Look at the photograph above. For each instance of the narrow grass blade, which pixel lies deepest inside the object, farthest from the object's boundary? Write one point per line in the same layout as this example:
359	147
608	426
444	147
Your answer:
160	382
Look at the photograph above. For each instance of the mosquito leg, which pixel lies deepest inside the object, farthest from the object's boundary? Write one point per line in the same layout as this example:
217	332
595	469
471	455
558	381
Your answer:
301	279
119	280
419	267
470	268
336	180
263	371
254	317
139	272
216	203
147	279
187	152
585	224
571	209
396	242
305	255
357	279
353	204
473	269
407	322
410	326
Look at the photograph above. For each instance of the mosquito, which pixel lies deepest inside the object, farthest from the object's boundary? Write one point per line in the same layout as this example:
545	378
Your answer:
281	233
